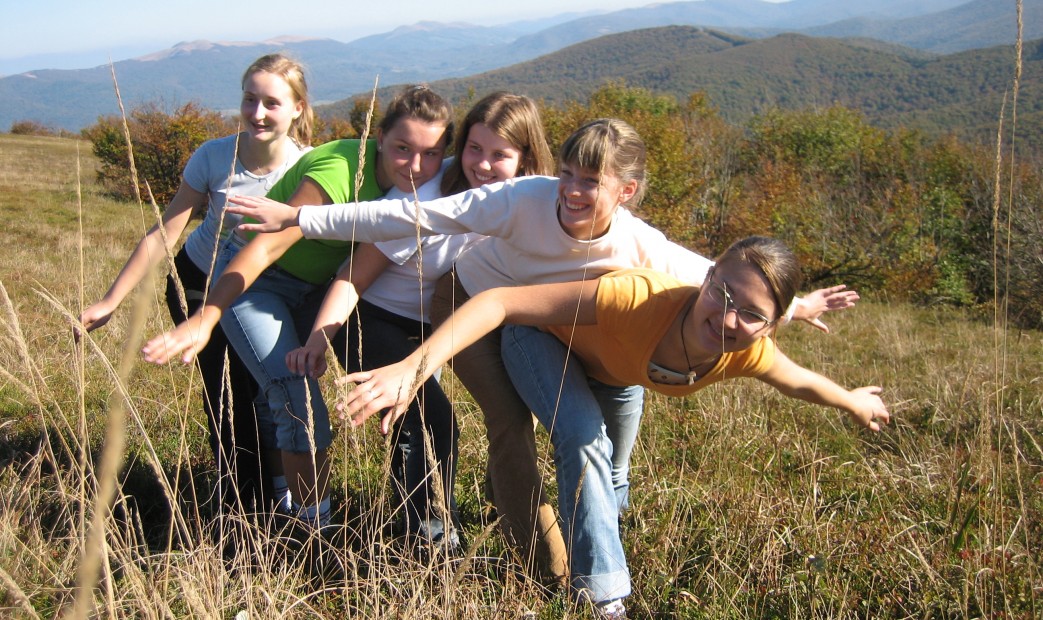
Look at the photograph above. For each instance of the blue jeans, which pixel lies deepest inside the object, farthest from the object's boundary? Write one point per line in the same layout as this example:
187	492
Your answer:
593	427
263	325
229	405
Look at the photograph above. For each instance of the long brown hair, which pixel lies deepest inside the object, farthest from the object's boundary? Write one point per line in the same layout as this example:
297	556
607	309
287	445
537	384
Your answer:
516	119
773	259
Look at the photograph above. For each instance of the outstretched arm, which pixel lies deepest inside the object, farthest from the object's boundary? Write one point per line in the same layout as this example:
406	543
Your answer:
393	387
365	266
271	215
812	306
189	338
863	404
148	253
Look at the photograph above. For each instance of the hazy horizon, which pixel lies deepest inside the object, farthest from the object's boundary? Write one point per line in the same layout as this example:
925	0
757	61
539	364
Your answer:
42	42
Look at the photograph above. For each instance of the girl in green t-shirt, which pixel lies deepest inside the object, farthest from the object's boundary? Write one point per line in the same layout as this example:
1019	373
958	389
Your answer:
271	286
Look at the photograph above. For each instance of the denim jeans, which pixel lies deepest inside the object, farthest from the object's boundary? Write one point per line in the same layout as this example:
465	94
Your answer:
263	325
229	405
593	427
526	518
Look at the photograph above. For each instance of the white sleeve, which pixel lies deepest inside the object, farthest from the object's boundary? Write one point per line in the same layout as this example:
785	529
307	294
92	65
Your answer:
401	250
484	210
686	265
659	253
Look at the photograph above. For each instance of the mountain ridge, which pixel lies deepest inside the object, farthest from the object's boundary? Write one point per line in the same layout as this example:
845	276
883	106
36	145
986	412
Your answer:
207	72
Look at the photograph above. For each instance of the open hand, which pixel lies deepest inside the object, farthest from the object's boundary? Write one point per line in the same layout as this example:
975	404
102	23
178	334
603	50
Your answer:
389	388
816	303
186	339
271	216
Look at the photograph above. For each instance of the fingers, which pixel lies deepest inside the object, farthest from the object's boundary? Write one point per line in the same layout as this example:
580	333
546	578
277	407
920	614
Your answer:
355	377
168	345
240	200
819	325
373	394
878	414
91	319
163	348
842	301
82	327
361	403
271	216
390	418
317	367
297	361
291	361
839	299
257	227
248	206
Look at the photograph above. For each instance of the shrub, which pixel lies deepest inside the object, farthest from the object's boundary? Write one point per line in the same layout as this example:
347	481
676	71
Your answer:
885	211
162	145
30	128
329	129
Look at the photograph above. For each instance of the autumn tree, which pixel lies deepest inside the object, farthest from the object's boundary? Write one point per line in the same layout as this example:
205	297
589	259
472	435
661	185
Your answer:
162	144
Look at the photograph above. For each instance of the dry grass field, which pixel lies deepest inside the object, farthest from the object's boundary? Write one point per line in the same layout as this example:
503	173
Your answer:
744	504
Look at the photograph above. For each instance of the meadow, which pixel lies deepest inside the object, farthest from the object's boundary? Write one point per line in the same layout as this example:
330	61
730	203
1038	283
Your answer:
744	504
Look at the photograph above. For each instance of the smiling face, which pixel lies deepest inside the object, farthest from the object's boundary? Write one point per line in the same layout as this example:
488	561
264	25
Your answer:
721	325
410	153
268	106
488	157
587	200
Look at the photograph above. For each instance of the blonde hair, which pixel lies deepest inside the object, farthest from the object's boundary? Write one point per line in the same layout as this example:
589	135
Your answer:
516	119
774	260
609	145
292	73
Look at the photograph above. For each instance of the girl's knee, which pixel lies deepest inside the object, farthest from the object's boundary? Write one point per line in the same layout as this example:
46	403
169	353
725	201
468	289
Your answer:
302	424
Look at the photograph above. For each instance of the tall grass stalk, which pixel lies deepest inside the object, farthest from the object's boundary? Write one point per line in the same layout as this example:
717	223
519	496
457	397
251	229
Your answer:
743	505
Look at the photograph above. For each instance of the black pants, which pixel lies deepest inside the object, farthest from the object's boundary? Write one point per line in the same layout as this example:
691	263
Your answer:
388	338
242	483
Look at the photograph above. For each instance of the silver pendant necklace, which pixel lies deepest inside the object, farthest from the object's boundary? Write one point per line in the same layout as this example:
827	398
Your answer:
687	360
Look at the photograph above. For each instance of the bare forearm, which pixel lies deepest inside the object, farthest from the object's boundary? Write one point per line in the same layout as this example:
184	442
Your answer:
143	259
816	389
336	307
863	404
469	323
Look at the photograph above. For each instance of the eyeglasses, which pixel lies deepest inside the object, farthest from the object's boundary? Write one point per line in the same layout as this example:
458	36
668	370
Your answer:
719	295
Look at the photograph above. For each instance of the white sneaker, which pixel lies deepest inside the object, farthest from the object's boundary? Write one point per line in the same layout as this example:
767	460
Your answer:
612	610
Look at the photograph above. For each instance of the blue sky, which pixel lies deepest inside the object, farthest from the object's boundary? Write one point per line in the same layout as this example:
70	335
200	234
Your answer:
67	34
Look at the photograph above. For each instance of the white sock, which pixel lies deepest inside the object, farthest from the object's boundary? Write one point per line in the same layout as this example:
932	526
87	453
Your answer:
283	501
317	514
609	609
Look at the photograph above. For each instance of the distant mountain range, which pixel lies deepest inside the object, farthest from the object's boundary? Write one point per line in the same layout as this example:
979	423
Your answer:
209	72
892	86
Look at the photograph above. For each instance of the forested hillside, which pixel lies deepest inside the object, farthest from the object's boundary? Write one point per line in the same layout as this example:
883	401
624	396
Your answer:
959	93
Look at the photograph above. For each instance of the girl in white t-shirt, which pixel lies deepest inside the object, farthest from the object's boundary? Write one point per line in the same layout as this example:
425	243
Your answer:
501	138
